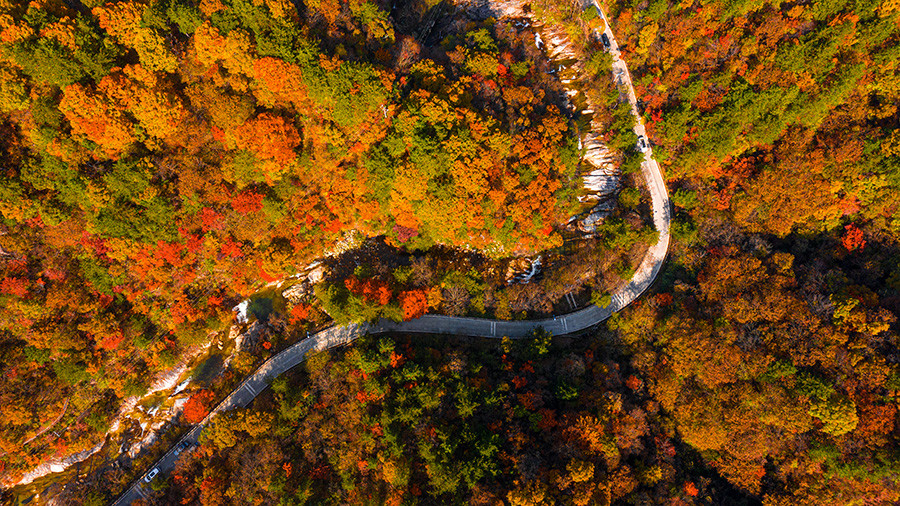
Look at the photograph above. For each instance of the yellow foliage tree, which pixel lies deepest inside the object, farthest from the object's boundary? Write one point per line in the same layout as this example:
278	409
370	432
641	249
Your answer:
580	471
159	112
532	493
13	95
123	21
235	51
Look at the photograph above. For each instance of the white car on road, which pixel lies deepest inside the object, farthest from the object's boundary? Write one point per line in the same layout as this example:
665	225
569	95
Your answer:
642	144
152	474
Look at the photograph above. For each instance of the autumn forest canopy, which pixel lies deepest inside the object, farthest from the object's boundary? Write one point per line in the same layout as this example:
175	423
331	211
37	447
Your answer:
162	160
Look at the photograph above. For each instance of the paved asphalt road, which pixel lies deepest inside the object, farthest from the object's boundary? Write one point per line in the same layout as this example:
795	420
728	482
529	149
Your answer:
435	324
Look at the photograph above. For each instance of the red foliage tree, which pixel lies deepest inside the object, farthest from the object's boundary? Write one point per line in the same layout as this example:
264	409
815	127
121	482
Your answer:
663	299
111	341
197	407
14	286
691	489
211	219
633	382
247	202
232	249
268	278
853	238
299	313
373	290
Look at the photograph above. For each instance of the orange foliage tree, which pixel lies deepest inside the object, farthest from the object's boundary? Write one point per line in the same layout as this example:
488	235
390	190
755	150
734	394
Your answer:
414	303
91	114
247	201
268	136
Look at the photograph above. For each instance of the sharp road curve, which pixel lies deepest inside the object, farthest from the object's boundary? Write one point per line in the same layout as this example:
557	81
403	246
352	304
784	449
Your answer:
644	276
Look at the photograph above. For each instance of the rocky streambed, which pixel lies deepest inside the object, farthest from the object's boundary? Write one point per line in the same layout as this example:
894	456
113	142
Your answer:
599	165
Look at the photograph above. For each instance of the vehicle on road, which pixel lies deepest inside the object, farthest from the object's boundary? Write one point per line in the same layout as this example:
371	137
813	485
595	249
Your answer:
642	144
182	446
605	39
152	474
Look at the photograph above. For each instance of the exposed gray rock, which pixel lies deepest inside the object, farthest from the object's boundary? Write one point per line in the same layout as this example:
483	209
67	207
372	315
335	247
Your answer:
595	216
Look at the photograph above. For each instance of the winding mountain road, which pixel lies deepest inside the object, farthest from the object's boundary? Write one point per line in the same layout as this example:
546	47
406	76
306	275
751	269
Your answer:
644	276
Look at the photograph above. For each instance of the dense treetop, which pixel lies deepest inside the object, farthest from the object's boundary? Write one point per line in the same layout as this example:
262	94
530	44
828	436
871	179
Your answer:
412	422
773	341
162	158
784	114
